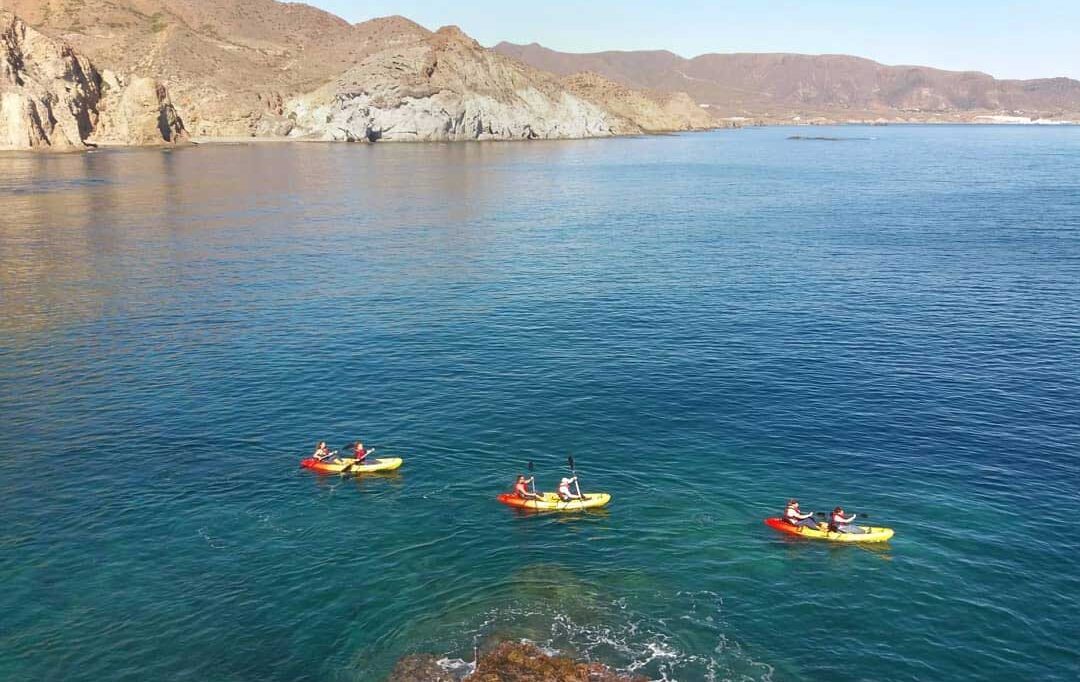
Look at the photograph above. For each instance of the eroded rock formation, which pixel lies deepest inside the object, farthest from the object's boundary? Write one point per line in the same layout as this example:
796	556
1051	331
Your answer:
52	97
446	87
136	111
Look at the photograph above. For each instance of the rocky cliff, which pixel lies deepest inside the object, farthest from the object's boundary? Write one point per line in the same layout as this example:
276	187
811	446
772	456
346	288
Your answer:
445	86
52	97
227	63
259	68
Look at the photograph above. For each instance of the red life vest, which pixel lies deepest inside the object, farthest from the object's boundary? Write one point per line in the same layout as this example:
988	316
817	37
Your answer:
836	521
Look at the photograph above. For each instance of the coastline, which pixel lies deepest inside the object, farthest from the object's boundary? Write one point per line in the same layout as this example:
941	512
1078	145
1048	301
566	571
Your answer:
238	140
206	140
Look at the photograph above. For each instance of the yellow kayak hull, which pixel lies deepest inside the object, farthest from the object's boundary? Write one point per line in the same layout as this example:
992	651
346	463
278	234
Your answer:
869	534
551	502
336	466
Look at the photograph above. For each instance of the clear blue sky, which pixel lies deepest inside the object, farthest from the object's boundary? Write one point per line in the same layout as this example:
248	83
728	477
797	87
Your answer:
1006	39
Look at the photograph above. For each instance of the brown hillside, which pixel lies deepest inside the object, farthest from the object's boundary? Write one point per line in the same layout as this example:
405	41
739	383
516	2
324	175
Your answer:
262	67
758	85
227	62
651	111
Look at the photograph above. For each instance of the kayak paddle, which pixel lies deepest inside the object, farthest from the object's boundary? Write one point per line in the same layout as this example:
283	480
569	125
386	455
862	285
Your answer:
577	484
350	465
859	514
533	483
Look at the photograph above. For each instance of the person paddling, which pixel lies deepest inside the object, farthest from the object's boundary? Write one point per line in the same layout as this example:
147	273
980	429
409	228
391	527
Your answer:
795	516
521	488
322	452
565	492
359	453
838	523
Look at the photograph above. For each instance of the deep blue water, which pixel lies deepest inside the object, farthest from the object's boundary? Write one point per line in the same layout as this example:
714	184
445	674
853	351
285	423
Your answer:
709	323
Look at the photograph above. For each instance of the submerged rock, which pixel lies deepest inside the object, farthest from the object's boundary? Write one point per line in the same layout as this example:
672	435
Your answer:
510	662
522	662
421	668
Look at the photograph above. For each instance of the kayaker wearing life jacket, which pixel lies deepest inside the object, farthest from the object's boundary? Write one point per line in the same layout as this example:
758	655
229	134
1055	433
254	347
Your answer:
321	451
360	453
838	523
565	493
521	488
795	517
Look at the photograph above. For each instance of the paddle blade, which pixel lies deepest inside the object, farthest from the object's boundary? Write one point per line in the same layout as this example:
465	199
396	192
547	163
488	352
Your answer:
570	461
530	465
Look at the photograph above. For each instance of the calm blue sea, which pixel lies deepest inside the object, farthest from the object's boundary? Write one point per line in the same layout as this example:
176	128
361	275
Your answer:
708	323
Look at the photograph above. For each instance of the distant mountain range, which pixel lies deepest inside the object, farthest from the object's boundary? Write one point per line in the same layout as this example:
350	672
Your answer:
835	87
262	68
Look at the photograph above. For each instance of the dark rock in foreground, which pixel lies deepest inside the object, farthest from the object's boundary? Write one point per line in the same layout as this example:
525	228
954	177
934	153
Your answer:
510	662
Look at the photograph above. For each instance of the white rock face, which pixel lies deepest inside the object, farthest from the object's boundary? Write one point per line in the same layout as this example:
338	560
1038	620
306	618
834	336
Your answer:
445	88
449	116
53	98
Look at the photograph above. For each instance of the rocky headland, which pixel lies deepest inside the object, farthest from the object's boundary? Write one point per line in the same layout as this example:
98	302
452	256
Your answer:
444	87
52	97
273	70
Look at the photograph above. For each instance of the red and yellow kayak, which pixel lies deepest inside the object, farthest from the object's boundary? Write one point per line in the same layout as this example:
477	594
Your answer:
869	534
336	466
551	502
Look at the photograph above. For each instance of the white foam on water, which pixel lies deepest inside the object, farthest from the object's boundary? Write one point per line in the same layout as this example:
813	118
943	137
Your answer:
636	643
458	668
213	542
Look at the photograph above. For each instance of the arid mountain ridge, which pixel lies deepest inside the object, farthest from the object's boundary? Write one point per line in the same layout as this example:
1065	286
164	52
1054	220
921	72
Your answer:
262	68
834	87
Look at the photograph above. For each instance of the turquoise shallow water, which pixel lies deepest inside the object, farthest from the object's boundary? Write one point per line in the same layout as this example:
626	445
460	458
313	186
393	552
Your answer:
708	323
